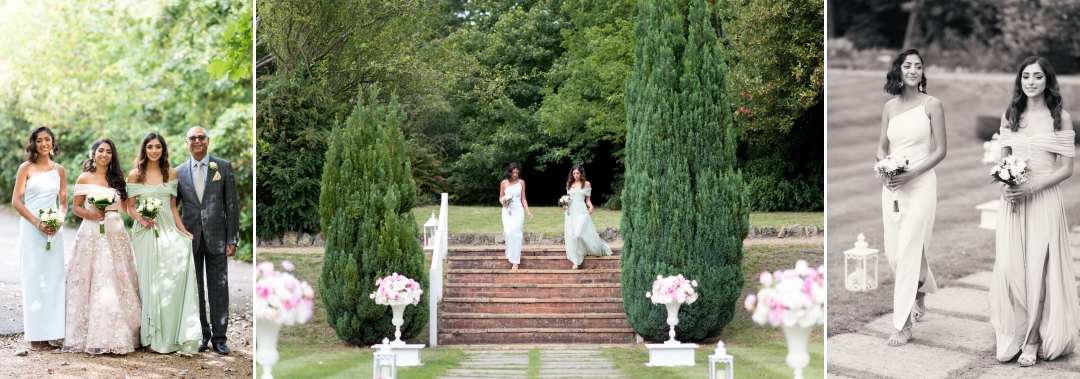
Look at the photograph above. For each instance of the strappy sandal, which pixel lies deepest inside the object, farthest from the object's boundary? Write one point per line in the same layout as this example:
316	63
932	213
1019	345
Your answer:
1028	359
910	334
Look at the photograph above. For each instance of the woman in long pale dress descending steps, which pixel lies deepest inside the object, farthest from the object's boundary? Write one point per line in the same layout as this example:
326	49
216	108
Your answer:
579	232
1033	300
166	266
513	214
912	128
103	309
41	184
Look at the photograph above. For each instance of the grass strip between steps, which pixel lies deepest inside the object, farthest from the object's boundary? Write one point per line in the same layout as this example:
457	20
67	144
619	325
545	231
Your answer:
534	364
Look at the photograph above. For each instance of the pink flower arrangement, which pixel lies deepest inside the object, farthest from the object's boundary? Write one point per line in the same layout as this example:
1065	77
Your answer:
280	297
672	289
790	297
397	290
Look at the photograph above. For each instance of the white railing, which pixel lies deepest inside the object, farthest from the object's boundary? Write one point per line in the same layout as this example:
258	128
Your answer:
435	277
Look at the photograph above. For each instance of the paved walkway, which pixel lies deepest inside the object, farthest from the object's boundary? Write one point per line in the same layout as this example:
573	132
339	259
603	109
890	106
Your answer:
954	340
514	364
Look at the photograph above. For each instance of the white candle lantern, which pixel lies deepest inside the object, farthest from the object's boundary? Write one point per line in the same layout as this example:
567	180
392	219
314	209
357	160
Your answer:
857	276
385	362
430	228
721	356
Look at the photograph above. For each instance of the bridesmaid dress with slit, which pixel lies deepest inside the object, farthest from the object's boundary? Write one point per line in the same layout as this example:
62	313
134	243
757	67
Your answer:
907	232
579	232
42	270
1033	256
513	219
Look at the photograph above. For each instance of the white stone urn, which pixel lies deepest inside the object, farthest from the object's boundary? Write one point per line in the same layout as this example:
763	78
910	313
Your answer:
399	310
266	334
672	320
797	339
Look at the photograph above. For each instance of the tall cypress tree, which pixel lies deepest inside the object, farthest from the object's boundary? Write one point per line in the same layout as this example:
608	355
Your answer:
365	213
685	206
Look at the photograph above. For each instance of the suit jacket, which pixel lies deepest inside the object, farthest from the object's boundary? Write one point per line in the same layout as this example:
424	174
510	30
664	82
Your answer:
216	217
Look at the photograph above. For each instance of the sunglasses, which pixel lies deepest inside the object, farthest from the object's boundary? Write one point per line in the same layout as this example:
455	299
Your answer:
197	138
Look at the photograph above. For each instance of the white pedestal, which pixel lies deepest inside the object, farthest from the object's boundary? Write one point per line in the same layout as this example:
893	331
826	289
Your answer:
407	354
661	354
988	219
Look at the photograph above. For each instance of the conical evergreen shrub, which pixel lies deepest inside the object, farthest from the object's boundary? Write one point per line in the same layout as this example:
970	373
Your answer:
365	213
685	206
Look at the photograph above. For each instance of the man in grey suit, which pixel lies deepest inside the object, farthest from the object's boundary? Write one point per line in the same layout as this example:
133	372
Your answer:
209	211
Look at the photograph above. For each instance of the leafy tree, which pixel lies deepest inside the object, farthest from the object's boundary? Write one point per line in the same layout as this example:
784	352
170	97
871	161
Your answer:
236	47
685	205
366	214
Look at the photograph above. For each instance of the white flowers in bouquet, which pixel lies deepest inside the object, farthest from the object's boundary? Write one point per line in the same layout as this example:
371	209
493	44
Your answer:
564	201
280	297
507	199
1010	170
673	289
52	218
101	199
397	290
890	167
149	208
790	297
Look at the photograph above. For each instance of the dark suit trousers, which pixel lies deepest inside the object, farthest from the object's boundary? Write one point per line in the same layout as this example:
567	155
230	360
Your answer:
215	295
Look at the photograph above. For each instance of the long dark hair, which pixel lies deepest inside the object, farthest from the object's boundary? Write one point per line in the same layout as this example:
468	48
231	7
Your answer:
113	174
510	171
894	79
570	176
1019	99
31	145
141	161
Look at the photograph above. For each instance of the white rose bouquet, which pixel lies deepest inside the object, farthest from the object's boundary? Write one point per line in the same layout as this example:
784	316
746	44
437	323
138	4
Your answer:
565	202
890	167
149	208
1010	170
53	219
790	297
280	297
101	199
507	199
672	289
397	290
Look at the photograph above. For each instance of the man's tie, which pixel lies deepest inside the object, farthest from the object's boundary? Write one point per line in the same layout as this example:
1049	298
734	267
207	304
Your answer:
200	181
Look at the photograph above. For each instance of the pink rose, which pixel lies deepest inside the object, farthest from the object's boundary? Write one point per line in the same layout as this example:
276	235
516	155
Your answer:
288	266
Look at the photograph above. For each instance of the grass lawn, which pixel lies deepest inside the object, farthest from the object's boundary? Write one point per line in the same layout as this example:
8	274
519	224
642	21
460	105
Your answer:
313	349
958	248
549	220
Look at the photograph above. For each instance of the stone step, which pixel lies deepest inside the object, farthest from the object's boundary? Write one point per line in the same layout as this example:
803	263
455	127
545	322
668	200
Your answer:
536	336
558	290
533	320
545	262
871	354
942	331
533	305
964	301
501	250
534	276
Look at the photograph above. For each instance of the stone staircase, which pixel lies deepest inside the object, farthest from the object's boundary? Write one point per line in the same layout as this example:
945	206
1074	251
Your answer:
542	302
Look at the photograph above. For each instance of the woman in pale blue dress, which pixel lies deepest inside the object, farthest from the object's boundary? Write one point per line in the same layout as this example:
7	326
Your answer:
41	184
165	264
579	232
513	214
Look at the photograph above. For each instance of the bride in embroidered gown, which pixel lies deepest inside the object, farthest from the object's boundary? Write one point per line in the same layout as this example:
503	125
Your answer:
912	127
103	306
1033	297
579	232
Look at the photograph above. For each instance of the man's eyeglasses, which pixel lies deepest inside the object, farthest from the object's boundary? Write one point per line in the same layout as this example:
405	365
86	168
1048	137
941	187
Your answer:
197	138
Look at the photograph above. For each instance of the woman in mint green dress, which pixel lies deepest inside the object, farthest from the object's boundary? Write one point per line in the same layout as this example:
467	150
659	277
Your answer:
579	232
166	269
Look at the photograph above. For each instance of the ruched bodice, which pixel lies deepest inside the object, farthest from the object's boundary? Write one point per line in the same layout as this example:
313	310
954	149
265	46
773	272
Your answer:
577	198
161	192
87	189
909	134
1039	150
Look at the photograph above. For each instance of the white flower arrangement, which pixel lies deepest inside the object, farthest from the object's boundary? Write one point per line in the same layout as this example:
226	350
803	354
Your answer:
101	199
1010	170
149	207
52	218
790	297
889	167
507	199
673	289
280	297
213	166
564	201
397	290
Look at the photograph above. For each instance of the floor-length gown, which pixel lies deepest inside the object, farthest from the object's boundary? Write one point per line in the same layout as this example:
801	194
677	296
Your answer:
166	267
579	232
907	232
42	270
1032	254
103	309
513	218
